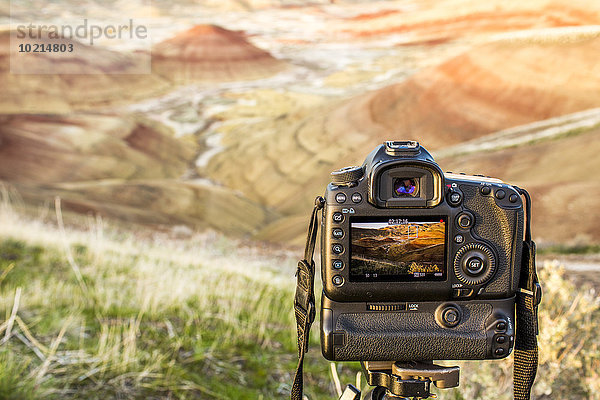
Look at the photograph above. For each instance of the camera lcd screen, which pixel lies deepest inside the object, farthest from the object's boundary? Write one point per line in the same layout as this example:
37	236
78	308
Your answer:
398	249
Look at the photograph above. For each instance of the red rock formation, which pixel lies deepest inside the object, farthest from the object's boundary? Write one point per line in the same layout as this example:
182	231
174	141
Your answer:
212	53
488	88
123	167
446	19
85	147
373	15
562	176
90	76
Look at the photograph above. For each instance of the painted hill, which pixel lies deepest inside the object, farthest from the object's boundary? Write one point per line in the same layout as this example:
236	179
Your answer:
212	53
124	167
494	86
489	88
556	161
156	203
90	76
263	154
85	147
435	22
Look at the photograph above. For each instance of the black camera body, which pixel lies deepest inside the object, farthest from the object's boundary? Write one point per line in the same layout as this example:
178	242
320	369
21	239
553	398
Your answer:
417	264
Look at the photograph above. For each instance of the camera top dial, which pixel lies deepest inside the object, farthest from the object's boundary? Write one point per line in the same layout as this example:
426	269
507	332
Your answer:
347	176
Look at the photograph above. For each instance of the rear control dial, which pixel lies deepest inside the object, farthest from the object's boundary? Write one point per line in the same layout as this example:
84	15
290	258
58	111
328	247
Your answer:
474	264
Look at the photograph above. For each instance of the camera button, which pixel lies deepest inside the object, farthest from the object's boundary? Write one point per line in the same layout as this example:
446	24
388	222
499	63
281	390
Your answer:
501	326
464	220
337	248
338	217
337	233
513	198
338	280
499	351
501	339
356	197
337	264
485	190
500	194
454	197
458	239
340	197
475	265
450	316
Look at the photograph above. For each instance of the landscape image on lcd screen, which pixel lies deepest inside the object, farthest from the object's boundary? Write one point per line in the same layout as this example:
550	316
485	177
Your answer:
398	250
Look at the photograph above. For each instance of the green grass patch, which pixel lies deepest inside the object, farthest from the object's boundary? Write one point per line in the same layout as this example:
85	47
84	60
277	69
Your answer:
143	327
174	320
570	249
14	383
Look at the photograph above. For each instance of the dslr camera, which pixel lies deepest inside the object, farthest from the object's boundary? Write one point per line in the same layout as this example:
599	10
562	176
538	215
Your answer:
418	264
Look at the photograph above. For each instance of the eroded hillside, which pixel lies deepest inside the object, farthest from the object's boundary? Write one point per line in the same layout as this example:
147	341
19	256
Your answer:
246	113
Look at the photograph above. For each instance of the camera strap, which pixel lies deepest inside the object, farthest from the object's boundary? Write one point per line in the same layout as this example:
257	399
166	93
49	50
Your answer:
304	300
528	299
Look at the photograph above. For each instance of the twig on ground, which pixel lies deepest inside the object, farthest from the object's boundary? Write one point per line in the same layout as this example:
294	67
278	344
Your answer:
53	347
29	336
31	346
336	379
6	271
11	320
70	259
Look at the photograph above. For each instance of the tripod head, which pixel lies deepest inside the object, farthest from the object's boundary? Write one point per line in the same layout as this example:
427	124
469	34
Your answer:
401	380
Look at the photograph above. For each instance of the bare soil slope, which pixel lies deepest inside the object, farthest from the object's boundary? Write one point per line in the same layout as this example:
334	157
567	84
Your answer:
488	88
491	87
435	20
119	166
561	176
90	77
85	147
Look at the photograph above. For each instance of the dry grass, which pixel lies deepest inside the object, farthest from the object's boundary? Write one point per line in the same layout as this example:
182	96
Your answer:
102	313
569	348
96	313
